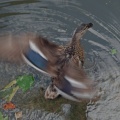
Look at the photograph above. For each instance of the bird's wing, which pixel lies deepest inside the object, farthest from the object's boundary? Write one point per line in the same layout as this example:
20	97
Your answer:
74	84
31	48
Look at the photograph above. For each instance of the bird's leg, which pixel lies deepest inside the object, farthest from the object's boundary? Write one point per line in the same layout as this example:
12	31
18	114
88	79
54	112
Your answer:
51	92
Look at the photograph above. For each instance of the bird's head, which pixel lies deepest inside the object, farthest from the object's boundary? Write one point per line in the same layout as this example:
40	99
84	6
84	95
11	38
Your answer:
81	30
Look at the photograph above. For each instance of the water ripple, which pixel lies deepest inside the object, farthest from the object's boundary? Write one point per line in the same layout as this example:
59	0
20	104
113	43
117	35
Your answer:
57	19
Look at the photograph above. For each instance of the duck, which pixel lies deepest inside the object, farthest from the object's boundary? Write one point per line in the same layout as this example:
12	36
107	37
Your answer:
63	63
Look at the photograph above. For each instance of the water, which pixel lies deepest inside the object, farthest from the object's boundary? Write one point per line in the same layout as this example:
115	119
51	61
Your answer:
57	19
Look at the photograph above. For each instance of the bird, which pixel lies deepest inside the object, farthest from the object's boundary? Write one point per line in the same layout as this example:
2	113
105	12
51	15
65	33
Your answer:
63	63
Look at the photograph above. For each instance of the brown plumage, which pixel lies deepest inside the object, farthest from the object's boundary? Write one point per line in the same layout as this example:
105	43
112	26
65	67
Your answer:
62	63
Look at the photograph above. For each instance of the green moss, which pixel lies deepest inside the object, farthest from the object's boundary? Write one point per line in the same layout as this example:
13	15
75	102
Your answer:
3	118
39	102
78	111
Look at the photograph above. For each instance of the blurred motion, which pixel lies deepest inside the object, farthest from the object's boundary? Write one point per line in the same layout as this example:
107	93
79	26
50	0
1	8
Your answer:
64	64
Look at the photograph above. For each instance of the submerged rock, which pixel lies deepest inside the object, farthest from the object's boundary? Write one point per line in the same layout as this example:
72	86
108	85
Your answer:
66	109
9	72
40	115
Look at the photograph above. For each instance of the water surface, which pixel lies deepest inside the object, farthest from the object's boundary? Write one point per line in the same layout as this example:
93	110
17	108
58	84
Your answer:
57	19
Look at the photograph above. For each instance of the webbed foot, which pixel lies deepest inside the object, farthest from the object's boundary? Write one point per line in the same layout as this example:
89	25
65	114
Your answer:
51	92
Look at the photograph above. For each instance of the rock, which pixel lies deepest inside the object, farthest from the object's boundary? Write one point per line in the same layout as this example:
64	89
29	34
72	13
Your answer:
66	108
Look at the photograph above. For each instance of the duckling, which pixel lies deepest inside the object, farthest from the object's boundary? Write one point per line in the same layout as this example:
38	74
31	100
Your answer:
64	64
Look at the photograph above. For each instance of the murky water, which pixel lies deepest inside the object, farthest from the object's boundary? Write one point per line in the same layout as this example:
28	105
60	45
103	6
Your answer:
57	19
